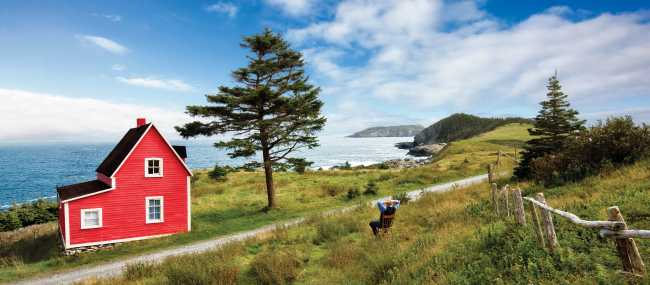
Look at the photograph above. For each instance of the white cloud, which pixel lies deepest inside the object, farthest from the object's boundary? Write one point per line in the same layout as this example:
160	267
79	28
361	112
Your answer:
40	117
225	8
118	67
151	82
292	7
425	54
110	17
104	43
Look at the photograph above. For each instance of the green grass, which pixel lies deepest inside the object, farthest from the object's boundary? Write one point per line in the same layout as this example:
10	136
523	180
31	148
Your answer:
220	208
447	238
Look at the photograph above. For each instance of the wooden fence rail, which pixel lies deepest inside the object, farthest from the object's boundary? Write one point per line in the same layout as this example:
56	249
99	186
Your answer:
542	223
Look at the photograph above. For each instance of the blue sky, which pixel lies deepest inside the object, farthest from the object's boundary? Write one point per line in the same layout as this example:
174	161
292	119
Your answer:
83	70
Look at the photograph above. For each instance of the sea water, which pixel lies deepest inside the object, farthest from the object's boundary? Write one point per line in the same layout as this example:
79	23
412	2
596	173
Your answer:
33	171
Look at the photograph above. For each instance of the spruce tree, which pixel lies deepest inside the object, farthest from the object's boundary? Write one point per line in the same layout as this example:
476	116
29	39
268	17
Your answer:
273	110
552	125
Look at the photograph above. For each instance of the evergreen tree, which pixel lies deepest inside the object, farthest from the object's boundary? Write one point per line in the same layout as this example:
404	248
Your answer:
272	110
553	124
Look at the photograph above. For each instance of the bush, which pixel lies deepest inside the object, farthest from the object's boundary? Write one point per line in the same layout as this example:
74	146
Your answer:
219	173
332	229
299	165
604	146
371	188
353	193
207	268
276	267
38	212
403	197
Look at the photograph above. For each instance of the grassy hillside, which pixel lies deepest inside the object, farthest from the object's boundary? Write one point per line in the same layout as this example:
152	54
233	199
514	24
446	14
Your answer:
450	238
220	208
461	126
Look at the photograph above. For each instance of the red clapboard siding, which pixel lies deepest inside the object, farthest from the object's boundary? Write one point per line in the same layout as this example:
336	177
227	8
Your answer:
124	208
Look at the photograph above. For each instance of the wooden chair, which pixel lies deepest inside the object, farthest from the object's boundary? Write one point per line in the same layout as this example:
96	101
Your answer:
385	222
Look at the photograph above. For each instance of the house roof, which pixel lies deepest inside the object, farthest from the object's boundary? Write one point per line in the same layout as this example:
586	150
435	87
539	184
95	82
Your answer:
181	150
81	189
121	150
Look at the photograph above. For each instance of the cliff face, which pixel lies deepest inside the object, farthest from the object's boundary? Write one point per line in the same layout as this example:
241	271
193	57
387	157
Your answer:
389	131
461	126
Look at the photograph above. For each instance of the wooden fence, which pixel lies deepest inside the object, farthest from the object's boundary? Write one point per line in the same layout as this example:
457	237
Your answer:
507	202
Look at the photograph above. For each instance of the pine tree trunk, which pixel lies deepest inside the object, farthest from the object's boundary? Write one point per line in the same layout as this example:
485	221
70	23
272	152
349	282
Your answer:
268	171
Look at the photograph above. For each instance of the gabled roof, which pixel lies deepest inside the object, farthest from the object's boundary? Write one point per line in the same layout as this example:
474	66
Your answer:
81	189
122	150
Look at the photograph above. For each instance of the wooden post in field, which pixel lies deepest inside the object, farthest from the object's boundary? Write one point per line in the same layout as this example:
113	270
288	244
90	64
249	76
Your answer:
504	198
498	158
626	247
516	154
547	223
518	203
537	227
495	202
490	173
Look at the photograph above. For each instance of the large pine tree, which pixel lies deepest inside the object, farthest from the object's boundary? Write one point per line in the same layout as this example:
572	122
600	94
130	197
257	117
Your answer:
272	110
553	124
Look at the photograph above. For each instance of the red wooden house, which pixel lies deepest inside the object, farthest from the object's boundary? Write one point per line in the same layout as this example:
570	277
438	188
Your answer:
142	191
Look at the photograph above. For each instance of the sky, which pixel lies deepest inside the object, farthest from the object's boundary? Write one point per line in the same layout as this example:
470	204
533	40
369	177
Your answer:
83	71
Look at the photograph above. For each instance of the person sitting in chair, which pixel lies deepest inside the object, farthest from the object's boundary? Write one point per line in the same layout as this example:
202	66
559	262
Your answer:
387	207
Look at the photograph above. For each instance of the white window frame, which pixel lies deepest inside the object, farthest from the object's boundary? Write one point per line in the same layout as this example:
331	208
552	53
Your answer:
100	218
162	209
146	167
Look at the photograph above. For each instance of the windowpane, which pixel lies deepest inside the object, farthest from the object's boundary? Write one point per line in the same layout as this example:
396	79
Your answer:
154	167
155	209
91	218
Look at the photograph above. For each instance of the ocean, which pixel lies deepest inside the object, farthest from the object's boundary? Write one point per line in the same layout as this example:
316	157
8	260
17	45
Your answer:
29	172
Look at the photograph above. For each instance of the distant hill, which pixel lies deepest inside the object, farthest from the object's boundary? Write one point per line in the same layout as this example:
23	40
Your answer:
461	126
389	131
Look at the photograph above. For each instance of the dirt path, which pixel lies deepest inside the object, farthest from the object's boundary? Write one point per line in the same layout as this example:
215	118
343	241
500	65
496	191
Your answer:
116	267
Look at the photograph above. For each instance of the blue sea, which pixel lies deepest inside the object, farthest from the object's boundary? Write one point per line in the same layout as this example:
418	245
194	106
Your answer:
33	171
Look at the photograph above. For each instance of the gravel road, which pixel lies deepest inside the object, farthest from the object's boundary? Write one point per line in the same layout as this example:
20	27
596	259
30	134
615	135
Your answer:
116	267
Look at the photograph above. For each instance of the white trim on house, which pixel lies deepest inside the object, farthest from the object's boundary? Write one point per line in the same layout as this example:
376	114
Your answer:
160	167
99	224
189	205
174	151
162	209
66	216
69	246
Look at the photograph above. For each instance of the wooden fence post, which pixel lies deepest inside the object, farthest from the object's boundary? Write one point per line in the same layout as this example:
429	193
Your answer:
547	222
516	154
498	158
518	203
490	173
504	198
495	204
626	247
537	227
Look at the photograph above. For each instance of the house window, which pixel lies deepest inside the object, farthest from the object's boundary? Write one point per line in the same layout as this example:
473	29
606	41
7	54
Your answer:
91	218
154	210
153	167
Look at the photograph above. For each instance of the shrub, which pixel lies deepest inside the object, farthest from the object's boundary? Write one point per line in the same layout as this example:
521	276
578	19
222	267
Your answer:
37	212
208	268
604	146
332	189
276	267
371	188
353	193
299	165
219	173
332	229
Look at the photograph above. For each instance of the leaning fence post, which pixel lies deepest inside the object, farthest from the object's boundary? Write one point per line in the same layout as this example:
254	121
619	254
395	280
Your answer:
537	227
495	204
626	247
518	203
547	222
498	158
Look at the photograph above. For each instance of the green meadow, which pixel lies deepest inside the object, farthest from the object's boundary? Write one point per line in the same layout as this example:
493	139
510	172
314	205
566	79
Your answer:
445	238
224	207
